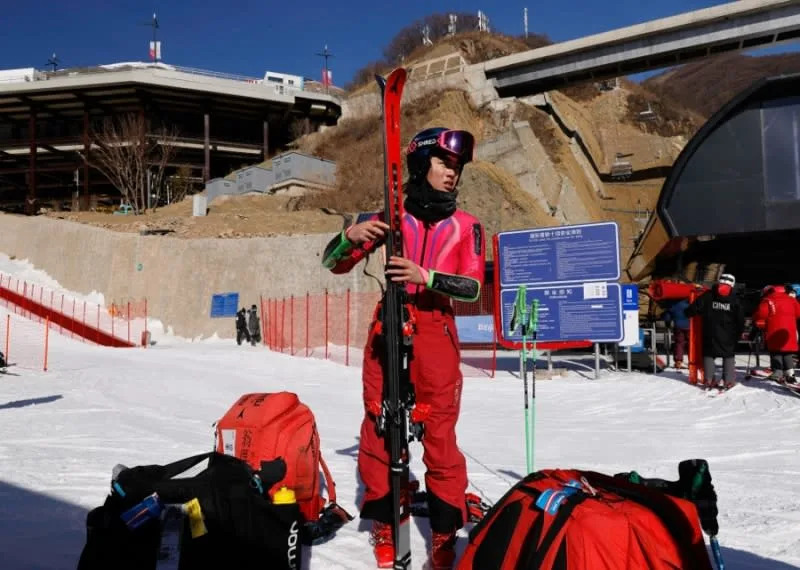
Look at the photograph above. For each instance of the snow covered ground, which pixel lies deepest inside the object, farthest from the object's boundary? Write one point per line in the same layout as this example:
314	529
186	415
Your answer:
63	431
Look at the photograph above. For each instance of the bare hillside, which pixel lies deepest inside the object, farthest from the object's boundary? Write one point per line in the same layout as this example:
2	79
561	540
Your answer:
704	86
559	174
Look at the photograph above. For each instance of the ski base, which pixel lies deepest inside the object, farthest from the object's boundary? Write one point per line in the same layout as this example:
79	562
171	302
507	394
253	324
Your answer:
793	389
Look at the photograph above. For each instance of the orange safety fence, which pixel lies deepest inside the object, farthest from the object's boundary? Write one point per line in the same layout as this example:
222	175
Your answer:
122	323
23	342
334	326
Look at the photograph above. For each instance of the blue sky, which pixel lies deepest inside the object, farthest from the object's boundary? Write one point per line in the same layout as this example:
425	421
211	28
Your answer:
249	37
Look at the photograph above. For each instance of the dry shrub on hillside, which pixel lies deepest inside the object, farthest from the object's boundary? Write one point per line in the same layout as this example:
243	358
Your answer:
582	92
670	118
543	128
475	46
356	145
409	39
534	41
705	85
366	74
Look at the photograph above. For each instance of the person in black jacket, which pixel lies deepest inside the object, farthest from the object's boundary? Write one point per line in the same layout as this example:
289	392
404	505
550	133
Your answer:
254	325
723	322
241	326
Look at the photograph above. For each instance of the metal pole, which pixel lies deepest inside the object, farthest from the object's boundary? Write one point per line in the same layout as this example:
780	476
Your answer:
550	361
629	358
596	360
669	344
30	201
265	134
87	148
326	54
654	348
206	147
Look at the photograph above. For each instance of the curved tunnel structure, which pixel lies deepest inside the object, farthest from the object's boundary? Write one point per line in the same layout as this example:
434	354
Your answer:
732	199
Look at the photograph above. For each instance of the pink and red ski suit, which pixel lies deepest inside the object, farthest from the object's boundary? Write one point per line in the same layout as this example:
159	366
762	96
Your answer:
451	253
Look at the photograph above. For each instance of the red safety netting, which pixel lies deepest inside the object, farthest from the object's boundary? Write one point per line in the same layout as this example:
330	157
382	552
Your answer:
334	326
124	323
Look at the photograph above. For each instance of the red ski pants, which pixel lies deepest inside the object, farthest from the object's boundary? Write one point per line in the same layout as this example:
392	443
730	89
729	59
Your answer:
436	376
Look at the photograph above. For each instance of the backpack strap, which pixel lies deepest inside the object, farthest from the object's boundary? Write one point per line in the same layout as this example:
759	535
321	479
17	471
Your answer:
329	484
537	556
176	468
331	517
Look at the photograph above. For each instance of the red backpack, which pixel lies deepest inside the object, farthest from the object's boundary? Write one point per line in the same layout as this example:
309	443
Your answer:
262	427
582	520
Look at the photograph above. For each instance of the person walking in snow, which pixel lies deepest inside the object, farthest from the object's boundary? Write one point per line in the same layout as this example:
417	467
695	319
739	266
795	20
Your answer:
444	259
241	327
723	322
779	312
675	314
254	325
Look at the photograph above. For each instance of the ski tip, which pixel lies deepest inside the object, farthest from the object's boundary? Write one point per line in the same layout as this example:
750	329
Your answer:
395	77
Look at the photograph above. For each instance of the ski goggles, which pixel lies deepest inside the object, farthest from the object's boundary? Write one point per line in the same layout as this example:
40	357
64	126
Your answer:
459	144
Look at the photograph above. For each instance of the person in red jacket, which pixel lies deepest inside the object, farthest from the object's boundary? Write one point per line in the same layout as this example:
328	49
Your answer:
779	312
444	259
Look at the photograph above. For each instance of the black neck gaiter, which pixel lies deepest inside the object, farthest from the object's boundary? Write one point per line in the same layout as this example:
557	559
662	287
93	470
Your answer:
427	204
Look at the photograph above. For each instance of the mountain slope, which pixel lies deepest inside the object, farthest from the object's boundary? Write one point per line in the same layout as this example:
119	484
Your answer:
704	86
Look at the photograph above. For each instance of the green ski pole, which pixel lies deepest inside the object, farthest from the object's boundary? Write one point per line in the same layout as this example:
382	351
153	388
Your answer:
518	320
533	326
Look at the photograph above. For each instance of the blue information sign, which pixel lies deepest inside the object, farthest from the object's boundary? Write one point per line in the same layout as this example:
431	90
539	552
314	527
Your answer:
566	254
475	329
630	298
224	305
583	311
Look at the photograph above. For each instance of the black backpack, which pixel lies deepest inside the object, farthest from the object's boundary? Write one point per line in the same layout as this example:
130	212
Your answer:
244	528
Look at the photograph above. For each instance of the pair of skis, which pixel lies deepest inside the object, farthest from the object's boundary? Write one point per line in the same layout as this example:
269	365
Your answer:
526	319
397	420
398	395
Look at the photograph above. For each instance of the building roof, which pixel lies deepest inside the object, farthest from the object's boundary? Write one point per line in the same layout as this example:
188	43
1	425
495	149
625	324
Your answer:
122	87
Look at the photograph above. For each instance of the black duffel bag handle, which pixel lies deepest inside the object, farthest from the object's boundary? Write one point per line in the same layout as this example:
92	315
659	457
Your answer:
230	493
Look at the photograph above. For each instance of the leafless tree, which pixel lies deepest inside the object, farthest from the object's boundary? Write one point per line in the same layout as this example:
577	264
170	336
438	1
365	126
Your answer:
299	127
410	37
182	183
133	158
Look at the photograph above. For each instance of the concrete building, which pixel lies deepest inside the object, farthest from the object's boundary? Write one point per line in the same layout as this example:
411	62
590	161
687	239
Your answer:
218	187
254	179
290	173
295	169
49	119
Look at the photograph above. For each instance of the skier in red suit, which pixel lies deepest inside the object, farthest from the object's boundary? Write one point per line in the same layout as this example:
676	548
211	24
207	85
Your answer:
444	259
778	311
